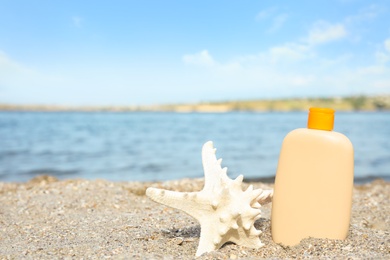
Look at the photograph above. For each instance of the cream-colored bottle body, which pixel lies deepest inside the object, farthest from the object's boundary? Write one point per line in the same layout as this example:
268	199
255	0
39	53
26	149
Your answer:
313	187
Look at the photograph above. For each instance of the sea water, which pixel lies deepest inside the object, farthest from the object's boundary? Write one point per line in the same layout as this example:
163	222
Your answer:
143	146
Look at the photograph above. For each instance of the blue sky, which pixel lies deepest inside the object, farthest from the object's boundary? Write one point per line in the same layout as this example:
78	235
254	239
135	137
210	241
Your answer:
155	52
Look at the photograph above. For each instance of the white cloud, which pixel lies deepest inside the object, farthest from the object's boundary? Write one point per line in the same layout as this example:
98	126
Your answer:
383	55
299	80
372	70
296	69
323	32
266	13
278	22
365	14
5	61
304	49
383	85
267	69
200	58
271	14
19	82
288	52
387	45
12	71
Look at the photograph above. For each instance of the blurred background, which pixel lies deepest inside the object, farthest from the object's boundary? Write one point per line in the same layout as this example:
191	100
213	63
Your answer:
130	90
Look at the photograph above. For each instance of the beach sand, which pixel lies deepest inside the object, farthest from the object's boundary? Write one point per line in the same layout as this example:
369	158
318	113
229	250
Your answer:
49	219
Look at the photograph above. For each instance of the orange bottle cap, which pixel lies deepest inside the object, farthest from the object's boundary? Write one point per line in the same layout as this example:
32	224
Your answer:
321	118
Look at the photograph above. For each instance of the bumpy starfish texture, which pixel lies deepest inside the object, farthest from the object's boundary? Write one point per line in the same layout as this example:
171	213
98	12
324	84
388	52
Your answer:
225	212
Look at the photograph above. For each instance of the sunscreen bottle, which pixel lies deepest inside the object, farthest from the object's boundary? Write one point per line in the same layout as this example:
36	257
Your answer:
313	183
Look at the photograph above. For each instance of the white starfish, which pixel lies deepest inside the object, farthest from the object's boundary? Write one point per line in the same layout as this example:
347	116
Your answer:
224	211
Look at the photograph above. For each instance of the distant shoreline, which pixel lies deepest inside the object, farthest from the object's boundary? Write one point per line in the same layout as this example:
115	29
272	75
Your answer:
351	103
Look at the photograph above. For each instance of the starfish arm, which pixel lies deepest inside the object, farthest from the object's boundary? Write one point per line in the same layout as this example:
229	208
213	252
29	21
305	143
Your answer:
265	197
189	202
209	240
251	240
213	172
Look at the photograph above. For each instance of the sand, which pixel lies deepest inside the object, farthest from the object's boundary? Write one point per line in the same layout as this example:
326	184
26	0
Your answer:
72	219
